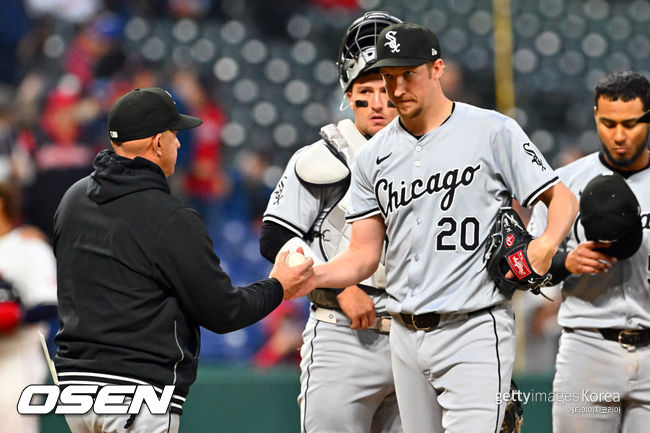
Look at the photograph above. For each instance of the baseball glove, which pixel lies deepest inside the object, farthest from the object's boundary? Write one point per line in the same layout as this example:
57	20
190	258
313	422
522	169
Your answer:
514	417
507	249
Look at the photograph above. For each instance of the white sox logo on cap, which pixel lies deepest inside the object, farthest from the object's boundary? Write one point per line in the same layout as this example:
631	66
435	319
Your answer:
392	42
405	44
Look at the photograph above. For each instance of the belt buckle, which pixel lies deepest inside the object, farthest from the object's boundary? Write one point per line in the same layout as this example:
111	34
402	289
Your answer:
417	328
383	325
623	333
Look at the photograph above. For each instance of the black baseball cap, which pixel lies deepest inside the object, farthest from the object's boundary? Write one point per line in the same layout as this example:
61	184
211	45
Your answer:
645	118
610	212
406	44
145	112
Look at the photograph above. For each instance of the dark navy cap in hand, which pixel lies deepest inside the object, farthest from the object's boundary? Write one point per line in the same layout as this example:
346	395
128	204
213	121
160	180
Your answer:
610	212
406	44
145	112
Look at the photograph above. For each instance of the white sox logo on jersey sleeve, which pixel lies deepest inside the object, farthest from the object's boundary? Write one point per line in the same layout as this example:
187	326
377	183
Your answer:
391	198
278	193
534	158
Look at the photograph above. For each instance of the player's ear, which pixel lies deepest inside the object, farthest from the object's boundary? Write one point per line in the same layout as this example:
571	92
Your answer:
436	69
155	144
349	96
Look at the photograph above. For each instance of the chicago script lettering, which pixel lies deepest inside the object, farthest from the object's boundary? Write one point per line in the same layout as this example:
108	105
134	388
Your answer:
390	198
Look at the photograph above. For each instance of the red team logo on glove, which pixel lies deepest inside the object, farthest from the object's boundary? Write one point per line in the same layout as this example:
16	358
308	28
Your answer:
518	264
510	239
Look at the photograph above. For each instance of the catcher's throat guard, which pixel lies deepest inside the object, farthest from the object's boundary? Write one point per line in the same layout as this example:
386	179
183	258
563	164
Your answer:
507	250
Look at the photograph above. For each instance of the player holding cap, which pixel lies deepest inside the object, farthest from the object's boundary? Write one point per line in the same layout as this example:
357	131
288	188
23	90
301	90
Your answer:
431	184
605	309
346	381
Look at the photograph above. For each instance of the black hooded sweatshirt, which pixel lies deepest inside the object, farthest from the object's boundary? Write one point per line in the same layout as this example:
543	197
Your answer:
137	276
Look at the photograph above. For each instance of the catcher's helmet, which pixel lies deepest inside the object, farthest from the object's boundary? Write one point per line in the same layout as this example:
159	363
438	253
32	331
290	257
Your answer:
357	51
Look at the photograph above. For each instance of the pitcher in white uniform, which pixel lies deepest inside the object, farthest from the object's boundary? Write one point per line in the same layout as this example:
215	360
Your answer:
602	377
431	184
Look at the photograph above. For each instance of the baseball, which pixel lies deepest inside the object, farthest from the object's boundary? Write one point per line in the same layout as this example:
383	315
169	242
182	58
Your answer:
295	258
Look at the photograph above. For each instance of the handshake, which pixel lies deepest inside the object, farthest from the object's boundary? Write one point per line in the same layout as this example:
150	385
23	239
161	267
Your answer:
295	271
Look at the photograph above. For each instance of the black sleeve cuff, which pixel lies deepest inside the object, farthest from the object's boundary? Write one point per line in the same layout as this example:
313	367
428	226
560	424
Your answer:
278	290
558	269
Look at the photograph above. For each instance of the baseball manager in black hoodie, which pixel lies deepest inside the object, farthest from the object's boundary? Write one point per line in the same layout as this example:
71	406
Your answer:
137	274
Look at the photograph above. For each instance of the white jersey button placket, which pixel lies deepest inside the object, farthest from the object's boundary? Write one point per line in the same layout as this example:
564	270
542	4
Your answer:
415	269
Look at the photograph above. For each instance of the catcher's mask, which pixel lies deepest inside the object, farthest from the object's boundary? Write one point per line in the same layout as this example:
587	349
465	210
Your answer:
357	52
610	212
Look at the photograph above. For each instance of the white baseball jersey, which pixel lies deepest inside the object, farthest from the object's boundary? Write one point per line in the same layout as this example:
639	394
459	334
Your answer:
619	298
439	195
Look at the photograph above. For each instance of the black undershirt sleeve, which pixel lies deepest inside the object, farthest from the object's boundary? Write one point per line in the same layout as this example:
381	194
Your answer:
272	238
558	268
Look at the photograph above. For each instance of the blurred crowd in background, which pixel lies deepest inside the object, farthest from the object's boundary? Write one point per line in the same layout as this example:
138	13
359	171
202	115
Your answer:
262	76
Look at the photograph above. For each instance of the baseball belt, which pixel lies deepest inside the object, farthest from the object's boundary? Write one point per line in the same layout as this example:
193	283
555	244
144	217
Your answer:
625	337
326	298
429	321
381	324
